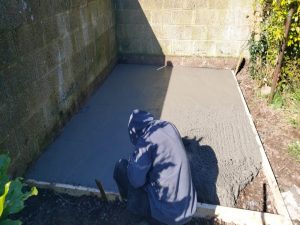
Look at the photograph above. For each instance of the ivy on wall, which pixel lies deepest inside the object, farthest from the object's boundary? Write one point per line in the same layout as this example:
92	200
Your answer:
266	44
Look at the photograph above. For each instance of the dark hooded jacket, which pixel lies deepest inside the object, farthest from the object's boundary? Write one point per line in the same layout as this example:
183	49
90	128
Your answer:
159	165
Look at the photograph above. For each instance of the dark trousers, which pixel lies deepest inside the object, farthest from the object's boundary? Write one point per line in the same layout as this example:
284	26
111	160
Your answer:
137	199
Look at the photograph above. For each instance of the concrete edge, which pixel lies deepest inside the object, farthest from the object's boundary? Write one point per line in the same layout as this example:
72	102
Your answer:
278	200
71	189
207	211
239	216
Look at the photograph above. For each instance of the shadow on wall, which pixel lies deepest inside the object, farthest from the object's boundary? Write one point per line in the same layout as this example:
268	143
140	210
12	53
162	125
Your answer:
137	42
204	168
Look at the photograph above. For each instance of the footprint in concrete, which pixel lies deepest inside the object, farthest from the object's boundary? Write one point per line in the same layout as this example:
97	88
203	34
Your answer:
204	169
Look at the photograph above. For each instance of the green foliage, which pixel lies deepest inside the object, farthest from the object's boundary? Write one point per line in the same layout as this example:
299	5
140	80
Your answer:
12	194
265	49
294	150
277	101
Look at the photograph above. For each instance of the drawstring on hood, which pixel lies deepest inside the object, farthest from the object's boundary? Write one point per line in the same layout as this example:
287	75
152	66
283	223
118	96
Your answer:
138	121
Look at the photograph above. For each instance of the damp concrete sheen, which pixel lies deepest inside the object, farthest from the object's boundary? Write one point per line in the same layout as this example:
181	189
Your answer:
204	104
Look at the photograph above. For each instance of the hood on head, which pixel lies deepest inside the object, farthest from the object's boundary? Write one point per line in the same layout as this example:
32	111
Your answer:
138	121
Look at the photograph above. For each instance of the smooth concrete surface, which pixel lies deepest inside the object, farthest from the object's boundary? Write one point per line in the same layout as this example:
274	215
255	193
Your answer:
202	103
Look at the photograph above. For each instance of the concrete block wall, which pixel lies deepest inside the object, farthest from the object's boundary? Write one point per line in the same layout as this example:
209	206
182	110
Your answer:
52	54
214	28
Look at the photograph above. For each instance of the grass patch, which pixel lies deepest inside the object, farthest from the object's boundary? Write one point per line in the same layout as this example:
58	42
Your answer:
294	150
278	100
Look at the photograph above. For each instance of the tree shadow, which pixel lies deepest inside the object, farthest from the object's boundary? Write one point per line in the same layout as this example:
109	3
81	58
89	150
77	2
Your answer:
204	169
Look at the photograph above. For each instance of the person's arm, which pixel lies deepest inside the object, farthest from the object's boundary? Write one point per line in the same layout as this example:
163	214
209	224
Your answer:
139	164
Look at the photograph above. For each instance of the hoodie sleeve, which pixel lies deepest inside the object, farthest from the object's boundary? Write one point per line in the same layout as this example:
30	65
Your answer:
139	164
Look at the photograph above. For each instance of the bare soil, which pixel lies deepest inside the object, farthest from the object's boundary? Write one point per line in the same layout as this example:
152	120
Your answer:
52	208
275	133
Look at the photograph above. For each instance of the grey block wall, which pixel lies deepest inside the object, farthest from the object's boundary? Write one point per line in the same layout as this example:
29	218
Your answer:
192	28
52	55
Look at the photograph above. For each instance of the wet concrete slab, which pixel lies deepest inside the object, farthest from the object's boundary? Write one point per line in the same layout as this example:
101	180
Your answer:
204	104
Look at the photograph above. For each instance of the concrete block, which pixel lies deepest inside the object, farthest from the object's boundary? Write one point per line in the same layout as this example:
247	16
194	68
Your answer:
176	32
50	29
8	145
100	51
13	15
126	4
28	144
236	4
130	31
59	6
94	9
161	17
218	33
203	16
22	74
182	47
166	46
195	4
184	17
63	24
91	53
28	38
227	49
199	32
151	5
41	62
8	49
77	3
130	46
131	17
6	119
219	4
172	4
100	27
39	10
220	17
204	48
77	63
79	41
4	87
156	31
241	33
85	17
75	22
52	56
88	34
242	16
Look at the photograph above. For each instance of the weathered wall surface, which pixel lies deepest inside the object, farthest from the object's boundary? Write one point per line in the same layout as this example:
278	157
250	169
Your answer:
215	28
52	54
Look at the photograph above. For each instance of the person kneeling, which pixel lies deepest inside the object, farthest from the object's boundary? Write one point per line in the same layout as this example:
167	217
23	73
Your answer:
156	180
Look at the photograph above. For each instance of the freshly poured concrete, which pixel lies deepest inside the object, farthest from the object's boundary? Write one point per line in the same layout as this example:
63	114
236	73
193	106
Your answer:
202	103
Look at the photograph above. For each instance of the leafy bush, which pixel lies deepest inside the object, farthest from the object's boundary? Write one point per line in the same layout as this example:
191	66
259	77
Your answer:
265	49
12	194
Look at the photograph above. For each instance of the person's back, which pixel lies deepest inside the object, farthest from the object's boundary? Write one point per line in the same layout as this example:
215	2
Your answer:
171	193
160	166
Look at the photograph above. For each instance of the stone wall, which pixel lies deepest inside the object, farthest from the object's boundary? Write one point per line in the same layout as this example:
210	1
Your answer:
52	54
188	28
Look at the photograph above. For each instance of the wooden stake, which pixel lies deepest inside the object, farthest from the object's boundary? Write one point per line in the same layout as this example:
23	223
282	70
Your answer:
281	54
101	189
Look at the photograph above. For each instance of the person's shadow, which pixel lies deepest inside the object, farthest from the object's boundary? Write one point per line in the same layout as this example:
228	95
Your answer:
204	169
